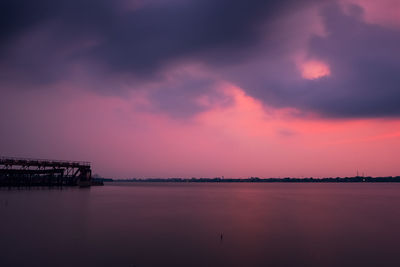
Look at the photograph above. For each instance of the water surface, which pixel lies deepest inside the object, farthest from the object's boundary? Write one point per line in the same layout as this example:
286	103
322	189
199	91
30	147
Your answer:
179	224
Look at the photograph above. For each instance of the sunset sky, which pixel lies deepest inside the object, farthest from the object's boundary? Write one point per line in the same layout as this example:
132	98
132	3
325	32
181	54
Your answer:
203	88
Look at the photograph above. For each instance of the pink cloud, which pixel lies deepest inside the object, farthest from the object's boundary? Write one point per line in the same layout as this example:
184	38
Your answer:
383	12
241	140
313	69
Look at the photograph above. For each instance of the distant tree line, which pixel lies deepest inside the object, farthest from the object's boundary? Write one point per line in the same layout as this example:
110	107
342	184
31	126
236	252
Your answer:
356	179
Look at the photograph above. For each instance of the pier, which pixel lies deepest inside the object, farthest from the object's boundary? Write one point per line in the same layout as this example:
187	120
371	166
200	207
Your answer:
43	172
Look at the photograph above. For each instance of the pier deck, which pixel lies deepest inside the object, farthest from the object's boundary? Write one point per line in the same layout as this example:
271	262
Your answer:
43	172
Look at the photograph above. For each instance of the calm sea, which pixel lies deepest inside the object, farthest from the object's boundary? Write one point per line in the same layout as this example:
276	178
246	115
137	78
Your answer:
180	224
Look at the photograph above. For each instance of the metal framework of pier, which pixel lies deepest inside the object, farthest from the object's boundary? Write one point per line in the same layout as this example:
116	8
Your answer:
43	172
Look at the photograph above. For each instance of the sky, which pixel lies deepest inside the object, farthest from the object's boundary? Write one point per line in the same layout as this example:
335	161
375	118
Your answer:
203	88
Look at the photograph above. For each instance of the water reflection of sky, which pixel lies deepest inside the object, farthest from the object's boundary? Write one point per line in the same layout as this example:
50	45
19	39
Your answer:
180	225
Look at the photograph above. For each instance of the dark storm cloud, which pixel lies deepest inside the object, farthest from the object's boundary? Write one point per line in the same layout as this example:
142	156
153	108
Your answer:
365	65
364	61
37	38
139	40
42	40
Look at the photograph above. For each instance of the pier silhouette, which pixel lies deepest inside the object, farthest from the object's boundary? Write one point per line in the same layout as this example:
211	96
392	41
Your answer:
44	172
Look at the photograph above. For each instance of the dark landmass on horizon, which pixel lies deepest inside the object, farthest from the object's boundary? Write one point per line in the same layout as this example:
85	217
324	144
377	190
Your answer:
356	179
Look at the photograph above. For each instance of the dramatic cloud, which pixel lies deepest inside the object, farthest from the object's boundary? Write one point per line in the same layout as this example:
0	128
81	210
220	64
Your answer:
136	40
109	44
350	71
365	63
